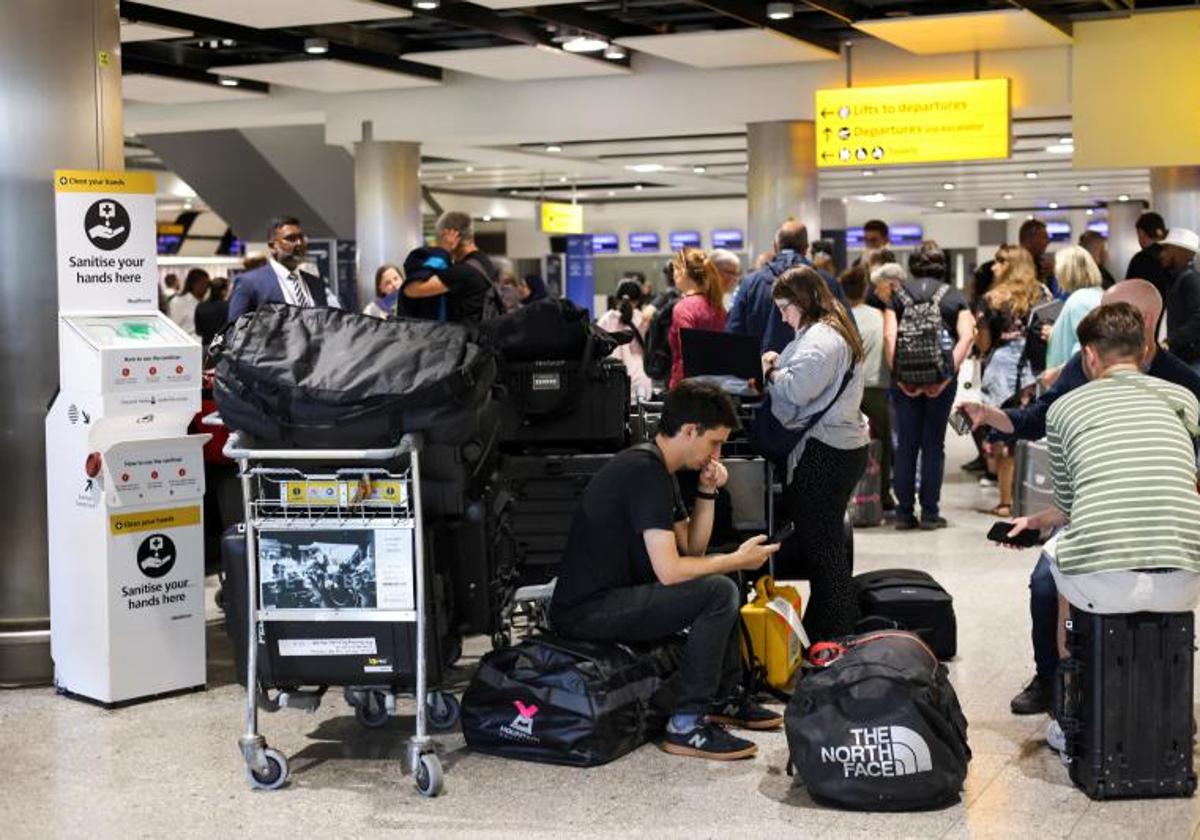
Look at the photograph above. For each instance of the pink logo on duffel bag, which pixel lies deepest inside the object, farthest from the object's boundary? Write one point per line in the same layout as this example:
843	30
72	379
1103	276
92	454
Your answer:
523	722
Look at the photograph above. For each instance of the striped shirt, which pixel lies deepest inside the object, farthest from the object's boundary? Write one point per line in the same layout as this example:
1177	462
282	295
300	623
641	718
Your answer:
1125	475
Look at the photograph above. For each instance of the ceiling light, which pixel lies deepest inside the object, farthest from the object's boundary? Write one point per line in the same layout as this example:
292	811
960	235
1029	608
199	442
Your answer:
487	218
873	198
1002	216
612	193
939	203
562	179
1007	196
1031	175
1053	205
227	81
867	173
470	169
514	192
989	210
228	42
585	44
1060	149
449	177
947	186
427	5
637	187
316	46
1084	188
699	170
1123	197
780	11
1091	212
646	167
615	53
553	147
1067	141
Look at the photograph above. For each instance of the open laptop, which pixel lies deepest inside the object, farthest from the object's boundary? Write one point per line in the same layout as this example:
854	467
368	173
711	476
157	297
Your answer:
730	359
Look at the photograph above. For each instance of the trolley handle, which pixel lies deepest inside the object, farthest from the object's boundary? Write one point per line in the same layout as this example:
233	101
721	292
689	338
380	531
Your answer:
237	450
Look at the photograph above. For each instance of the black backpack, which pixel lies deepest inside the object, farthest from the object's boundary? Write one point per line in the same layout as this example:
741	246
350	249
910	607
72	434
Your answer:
657	358
921	356
1037	347
876	726
567	702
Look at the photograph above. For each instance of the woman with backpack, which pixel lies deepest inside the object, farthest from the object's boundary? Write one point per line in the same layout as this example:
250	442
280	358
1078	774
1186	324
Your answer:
629	312
927	335
1008	377
700	306
816	385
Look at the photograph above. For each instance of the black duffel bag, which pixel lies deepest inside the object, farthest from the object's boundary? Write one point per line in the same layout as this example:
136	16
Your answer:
876	726
554	329
566	702
322	378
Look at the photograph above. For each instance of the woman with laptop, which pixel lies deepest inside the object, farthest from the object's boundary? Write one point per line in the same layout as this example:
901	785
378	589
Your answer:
816	388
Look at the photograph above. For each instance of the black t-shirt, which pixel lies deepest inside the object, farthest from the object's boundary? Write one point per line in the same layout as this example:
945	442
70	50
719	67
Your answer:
606	549
924	288
1145	266
469	281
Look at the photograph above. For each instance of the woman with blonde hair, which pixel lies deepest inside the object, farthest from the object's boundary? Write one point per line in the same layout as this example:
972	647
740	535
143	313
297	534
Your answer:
1008	378
1078	276
816	386
700	306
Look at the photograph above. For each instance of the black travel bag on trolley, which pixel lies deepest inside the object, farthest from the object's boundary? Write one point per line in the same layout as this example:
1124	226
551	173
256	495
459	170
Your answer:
295	654
316	378
566	702
915	601
1124	702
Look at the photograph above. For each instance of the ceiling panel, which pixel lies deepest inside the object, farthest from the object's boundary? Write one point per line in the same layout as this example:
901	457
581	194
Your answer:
163	90
728	48
326	76
268	14
1002	29
524	4
518	63
131	32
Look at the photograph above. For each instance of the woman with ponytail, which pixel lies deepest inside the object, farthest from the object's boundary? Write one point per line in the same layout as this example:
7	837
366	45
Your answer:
630	313
700	306
816	386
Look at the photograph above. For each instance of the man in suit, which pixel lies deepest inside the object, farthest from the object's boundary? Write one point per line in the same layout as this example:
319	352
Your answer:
281	280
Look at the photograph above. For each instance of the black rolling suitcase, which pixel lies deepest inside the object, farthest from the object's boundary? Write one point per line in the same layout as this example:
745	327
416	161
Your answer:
1124	702
294	654
915	601
546	490
563	405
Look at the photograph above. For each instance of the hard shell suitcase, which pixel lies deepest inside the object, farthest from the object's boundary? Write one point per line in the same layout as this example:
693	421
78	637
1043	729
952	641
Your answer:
292	654
1124	702
557	405
546	490
866	504
566	702
915	601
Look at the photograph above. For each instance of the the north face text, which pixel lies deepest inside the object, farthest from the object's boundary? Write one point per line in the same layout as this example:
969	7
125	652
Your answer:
881	752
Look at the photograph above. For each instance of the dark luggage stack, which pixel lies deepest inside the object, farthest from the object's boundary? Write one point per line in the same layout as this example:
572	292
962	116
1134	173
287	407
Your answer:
1124	702
915	602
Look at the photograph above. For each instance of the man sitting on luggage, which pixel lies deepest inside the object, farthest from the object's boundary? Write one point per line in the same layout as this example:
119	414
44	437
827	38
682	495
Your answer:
634	570
1124	466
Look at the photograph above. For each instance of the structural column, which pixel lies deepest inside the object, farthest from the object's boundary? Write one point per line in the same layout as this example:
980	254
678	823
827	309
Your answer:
1176	194
782	181
1122	235
61	106
387	205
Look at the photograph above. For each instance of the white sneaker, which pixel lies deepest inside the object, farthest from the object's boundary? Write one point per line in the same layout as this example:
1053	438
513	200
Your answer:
1055	738
987	482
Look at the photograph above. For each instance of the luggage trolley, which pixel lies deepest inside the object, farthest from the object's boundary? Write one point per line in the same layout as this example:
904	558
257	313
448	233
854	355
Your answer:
322	582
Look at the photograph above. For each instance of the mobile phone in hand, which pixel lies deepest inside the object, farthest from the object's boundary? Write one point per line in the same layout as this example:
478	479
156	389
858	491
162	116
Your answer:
782	534
1026	539
960	422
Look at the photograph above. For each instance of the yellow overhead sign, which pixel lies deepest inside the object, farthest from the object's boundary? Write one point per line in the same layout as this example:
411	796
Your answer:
927	123
562	218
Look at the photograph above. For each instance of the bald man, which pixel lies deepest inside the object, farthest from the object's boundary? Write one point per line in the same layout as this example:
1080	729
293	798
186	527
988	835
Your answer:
1030	424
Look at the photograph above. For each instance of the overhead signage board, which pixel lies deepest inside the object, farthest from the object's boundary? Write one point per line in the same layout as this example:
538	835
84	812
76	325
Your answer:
903	124
562	218
107	241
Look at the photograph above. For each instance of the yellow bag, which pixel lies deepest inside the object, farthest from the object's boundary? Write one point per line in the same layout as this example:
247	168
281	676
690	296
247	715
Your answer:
773	627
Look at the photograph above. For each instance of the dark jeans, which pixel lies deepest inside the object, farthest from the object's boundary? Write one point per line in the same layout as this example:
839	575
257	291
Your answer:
920	431
879	412
1043	610
817	499
708	607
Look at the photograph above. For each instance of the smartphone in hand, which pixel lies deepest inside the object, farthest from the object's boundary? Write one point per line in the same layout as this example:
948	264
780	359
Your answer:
960	422
782	534
1025	539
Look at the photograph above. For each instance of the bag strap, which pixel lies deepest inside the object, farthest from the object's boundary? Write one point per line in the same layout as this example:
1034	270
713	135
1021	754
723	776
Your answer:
1192	430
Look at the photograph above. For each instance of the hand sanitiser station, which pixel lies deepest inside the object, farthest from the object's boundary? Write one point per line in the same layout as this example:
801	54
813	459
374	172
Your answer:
125	479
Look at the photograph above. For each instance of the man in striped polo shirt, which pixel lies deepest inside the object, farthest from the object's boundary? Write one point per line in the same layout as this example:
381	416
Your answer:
1124	466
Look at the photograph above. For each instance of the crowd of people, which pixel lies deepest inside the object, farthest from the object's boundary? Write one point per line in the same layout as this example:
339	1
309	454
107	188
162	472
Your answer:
876	351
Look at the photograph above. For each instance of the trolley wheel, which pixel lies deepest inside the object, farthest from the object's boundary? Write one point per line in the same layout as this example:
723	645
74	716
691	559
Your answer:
275	775
428	775
444	711
372	711
500	640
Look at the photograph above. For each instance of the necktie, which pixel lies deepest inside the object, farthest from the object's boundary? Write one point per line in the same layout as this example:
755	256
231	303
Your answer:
300	290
